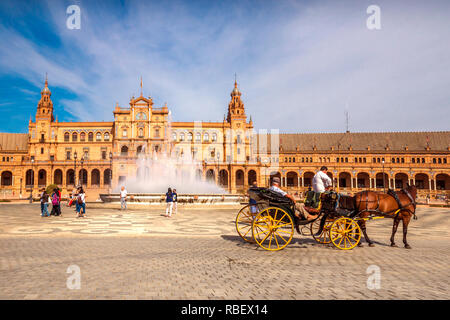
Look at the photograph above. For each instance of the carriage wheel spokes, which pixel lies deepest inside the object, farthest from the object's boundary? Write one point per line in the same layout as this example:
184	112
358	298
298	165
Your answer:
273	229
323	237
345	233
244	221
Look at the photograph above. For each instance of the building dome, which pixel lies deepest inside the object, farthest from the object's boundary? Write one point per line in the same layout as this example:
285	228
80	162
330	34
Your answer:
46	89
235	91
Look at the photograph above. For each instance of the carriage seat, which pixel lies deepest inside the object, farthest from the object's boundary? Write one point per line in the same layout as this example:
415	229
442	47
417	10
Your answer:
313	202
265	194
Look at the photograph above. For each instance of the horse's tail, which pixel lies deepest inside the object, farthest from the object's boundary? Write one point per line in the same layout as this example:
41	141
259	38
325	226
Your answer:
355	206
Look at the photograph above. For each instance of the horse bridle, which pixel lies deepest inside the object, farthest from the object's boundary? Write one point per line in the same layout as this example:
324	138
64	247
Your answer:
413	202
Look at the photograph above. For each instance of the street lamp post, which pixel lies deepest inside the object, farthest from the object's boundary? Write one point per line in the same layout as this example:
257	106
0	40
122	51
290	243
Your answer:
75	169
32	181
218	175
81	171
110	171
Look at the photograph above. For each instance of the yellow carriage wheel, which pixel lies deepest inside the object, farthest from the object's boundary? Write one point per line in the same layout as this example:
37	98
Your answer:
345	233
273	228
244	220
324	237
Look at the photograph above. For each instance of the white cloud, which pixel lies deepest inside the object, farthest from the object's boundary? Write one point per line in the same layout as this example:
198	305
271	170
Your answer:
298	66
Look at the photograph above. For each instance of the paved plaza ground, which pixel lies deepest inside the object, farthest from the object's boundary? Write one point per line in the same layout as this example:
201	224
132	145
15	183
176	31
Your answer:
197	254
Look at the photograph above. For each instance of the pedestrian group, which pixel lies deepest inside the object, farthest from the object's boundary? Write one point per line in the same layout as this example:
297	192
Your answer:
54	199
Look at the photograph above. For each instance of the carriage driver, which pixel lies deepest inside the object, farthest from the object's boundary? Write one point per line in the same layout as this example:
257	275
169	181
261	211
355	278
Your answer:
299	207
321	181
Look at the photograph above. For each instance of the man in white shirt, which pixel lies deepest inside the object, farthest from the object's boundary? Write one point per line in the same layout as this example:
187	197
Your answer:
321	181
299	207
123	198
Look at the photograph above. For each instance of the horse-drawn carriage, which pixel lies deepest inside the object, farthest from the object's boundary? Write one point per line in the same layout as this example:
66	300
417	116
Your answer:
270	221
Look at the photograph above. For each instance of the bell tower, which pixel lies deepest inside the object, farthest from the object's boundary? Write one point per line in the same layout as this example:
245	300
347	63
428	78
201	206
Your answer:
236	109
237	148
45	104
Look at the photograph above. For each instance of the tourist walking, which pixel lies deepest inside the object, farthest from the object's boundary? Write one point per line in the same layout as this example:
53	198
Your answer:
44	203
175	201
123	198
169	203
73	197
81	203
56	202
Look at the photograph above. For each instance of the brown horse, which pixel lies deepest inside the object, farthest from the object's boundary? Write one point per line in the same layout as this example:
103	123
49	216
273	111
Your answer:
381	204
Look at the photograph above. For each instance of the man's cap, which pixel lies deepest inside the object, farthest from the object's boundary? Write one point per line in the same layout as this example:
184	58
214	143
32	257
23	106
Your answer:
276	180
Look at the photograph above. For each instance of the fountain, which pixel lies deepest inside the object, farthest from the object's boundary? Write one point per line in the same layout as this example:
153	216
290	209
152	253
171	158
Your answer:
159	170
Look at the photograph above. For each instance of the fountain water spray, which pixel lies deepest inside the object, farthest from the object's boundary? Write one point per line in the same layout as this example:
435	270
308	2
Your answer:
157	171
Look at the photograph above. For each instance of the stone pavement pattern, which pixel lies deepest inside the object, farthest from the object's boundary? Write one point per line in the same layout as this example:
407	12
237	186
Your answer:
138	254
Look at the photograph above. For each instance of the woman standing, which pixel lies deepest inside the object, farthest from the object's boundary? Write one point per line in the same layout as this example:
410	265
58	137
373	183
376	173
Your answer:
56	202
169	203
81	203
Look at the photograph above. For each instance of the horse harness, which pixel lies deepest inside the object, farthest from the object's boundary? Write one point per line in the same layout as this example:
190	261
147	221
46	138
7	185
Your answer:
401	207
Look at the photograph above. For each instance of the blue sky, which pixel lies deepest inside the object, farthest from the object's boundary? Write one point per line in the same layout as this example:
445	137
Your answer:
300	64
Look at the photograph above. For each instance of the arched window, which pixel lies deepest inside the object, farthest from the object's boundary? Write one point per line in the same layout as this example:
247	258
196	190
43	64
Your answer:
182	136
214	137
66	136
124	151
74	136
156	132
174	136
141	132
95	177
198	137
189	138
107	176
70	177
124	133
57	177
29	177
42	178
106	136
6	178
90	136
206	136
98	136
82	136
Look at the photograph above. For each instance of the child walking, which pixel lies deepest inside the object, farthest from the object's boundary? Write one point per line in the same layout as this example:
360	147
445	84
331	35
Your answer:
175	201
44	203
